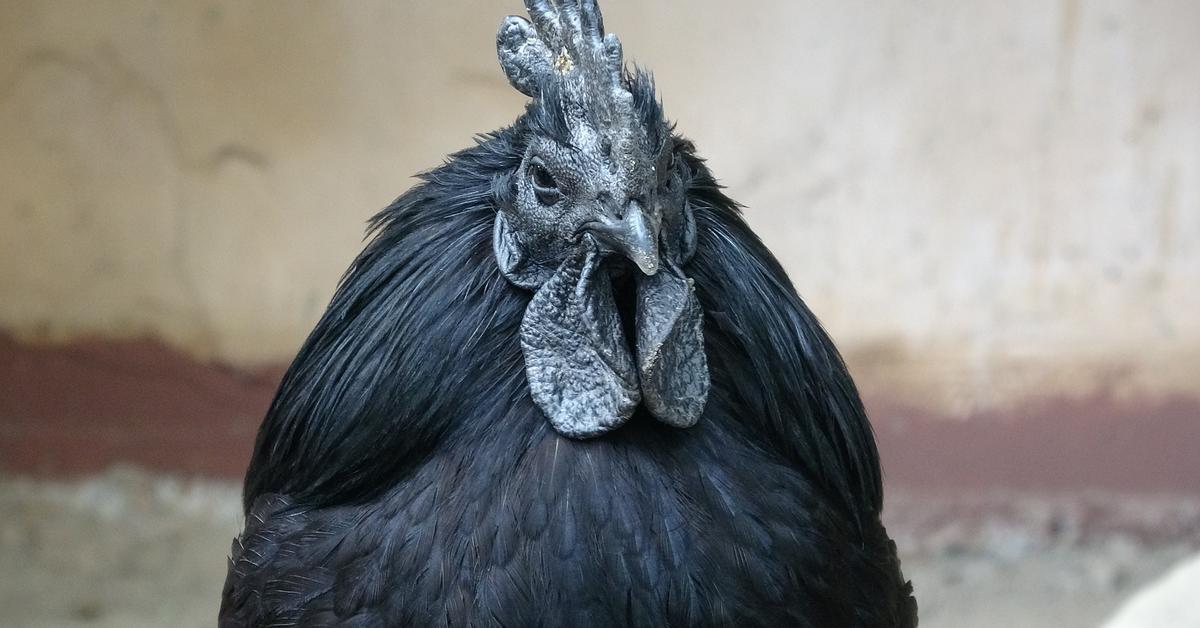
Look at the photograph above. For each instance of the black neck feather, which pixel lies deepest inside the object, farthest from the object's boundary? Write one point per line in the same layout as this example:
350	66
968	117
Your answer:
419	350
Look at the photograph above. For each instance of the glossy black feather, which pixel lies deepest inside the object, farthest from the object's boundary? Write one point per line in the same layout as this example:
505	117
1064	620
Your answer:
404	477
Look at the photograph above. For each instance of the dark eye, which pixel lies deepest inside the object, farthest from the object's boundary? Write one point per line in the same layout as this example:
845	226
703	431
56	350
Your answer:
543	179
544	185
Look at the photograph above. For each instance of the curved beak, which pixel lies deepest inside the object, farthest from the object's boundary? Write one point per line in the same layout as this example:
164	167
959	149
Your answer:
634	235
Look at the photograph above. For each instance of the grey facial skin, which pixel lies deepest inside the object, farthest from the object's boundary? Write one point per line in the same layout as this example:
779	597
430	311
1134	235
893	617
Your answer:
603	185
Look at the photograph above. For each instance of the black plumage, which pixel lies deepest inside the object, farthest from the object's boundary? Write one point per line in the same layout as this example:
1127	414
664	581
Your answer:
404	476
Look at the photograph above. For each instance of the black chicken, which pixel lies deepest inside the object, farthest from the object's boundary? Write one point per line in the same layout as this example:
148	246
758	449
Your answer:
467	438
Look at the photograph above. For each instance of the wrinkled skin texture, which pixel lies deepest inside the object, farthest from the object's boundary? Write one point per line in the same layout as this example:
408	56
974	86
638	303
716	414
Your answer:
670	348
575	357
604	178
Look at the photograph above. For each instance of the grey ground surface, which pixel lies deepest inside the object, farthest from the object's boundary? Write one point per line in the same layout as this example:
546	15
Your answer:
131	550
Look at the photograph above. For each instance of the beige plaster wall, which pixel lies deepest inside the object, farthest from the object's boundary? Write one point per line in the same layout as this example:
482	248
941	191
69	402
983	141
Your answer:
984	201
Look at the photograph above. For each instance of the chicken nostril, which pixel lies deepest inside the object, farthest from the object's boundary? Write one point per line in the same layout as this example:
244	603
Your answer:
610	206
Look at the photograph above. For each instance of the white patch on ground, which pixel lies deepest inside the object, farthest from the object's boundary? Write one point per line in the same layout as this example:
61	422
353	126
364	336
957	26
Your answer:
1168	601
131	550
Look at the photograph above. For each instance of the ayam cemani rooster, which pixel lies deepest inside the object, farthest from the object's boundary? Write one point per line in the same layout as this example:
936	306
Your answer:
467	438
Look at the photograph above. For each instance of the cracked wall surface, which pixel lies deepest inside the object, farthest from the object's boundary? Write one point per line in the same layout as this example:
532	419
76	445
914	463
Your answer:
983	201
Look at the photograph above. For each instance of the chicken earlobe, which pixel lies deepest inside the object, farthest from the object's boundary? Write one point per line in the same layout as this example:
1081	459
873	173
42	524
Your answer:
579	367
670	347
514	263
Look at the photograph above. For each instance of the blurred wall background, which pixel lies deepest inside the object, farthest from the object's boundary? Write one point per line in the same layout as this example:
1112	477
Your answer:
994	207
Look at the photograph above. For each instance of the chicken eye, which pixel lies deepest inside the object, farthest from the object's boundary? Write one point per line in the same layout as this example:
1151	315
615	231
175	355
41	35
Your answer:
545	187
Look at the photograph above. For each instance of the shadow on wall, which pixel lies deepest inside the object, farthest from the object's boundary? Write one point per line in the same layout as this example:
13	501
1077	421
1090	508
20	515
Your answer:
81	408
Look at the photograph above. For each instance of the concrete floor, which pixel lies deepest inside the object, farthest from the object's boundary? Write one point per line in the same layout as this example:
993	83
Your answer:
130	549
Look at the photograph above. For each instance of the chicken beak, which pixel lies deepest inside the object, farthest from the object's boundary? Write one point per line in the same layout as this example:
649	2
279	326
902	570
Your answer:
634	235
